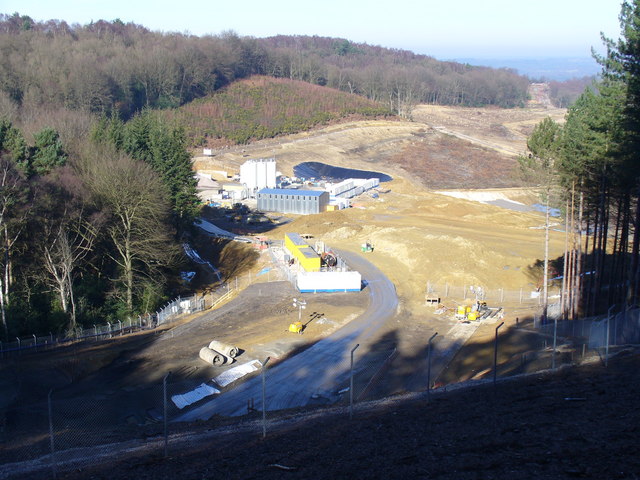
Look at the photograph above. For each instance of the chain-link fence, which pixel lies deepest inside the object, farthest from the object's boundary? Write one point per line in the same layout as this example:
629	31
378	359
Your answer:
61	432
95	333
169	313
598	334
58	431
479	292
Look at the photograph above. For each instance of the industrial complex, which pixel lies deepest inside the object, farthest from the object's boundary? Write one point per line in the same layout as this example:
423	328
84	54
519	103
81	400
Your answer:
273	192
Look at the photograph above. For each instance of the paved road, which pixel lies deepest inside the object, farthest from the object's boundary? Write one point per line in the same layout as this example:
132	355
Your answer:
318	370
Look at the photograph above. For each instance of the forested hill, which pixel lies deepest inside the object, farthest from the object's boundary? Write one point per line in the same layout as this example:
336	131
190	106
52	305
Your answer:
265	107
106	65
383	73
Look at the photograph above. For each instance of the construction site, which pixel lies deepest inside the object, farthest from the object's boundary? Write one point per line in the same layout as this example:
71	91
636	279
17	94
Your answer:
428	268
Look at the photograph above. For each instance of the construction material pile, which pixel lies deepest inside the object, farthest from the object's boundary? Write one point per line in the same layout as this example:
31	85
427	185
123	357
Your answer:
218	353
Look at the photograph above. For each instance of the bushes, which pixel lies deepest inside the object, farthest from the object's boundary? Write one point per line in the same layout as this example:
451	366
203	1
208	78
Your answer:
263	107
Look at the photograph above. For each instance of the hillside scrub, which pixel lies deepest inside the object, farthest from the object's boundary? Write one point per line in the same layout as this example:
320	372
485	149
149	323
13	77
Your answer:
264	107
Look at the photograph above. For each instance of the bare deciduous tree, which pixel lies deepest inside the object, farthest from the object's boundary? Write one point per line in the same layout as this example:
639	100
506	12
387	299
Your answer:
138	225
13	197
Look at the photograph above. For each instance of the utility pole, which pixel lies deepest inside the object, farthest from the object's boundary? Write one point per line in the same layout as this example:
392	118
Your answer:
545	277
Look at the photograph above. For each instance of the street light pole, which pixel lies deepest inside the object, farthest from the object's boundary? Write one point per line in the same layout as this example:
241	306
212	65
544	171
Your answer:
264	405
429	366
302	305
351	383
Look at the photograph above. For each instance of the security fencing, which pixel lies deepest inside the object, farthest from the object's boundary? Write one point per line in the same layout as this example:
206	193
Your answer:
62	433
481	293
598	334
56	431
95	333
169	313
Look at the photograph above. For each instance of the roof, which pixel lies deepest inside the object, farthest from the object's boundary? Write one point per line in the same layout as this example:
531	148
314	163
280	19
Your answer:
290	191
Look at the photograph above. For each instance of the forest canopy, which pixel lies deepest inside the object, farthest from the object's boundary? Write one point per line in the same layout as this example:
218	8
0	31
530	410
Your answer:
110	66
589	165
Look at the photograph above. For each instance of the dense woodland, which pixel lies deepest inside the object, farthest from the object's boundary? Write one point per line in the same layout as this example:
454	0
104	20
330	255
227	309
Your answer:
564	94
589	166
111	65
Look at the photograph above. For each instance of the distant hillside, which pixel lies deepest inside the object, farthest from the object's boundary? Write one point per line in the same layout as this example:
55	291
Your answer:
558	69
106	66
398	77
264	107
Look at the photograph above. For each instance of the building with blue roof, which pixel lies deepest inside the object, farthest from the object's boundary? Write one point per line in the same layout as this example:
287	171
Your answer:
284	200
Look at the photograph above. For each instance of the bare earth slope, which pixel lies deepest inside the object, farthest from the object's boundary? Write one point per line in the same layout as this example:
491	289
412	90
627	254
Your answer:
578	423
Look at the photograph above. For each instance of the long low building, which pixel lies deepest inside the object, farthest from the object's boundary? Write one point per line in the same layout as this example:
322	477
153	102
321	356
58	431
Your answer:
316	282
307	257
284	200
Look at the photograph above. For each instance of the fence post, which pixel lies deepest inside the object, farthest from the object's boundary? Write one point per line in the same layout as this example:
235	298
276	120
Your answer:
429	367
120	327
165	419
555	337
109	323
19	346
51	443
35	342
264	402
606	355
351	383
495	356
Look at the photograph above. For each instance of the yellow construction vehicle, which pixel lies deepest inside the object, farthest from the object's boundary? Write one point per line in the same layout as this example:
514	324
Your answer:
296	327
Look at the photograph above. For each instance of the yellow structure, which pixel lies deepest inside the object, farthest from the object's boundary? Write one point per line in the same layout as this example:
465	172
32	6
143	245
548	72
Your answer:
300	249
295	327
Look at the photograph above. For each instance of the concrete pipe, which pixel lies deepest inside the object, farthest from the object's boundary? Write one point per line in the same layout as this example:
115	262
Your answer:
224	348
212	357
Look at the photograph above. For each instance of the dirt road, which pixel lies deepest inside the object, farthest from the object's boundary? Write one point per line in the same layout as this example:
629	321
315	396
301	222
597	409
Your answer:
320	370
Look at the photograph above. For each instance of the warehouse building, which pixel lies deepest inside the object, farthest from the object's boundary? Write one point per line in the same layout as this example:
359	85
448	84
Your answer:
303	202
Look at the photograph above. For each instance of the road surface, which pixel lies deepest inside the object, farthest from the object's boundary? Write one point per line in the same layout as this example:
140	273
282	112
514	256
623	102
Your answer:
318	370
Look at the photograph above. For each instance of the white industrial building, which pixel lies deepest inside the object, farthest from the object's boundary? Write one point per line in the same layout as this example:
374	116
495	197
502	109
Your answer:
258	174
352	187
329	281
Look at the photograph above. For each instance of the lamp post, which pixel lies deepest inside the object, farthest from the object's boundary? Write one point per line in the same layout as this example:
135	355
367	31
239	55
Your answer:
301	305
429	366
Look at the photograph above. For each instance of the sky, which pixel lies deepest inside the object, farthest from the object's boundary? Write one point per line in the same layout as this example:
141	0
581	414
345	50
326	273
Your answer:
445	29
